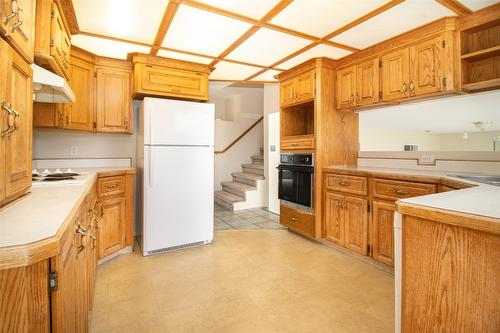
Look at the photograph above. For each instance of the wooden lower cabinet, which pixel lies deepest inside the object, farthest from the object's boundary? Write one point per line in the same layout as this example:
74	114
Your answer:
111	227
297	220
382	233
346	221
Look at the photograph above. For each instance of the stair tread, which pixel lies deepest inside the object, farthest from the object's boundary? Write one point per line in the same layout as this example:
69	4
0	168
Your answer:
253	166
240	186
248	175
229	197
258	157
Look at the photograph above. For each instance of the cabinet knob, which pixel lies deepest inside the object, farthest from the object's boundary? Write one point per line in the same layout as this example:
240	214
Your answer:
405	88
412	88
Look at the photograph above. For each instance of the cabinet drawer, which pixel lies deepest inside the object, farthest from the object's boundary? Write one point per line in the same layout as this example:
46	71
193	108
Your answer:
347	184
304	143
394	190
172	82
297	220
109	186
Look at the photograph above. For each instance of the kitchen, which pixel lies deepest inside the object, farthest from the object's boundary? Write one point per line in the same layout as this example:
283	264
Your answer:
379	127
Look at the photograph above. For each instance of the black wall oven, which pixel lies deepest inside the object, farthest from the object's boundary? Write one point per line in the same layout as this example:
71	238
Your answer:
296	179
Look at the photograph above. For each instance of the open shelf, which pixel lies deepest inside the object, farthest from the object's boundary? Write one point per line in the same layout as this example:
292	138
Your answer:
298	120
480	85
482	54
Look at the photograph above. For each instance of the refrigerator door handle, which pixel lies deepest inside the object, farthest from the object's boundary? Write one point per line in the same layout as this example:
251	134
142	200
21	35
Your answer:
150	167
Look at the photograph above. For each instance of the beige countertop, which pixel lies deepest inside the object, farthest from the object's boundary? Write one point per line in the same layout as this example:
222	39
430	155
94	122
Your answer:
39	215
481	200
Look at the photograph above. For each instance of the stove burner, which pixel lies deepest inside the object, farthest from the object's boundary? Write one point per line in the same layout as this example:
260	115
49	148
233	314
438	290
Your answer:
52	178
62	174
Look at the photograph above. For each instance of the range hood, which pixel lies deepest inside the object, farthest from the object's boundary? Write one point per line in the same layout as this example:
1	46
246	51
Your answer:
50	88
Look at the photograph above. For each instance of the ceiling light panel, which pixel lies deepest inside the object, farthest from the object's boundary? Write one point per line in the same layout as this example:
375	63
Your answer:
266	47
105	47
184	56
251	8
477	4
400	18
232	72
127	19
320	17
202	32
266	76
317	51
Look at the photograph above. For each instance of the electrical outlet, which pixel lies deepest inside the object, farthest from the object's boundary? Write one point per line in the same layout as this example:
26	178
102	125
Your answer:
427	159
73	150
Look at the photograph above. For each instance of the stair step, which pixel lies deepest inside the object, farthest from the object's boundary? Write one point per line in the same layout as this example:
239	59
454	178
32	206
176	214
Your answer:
253	168
227	199
247	178
261	150
259	159
237	188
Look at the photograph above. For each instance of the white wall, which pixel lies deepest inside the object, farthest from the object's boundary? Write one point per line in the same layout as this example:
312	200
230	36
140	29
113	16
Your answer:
271	138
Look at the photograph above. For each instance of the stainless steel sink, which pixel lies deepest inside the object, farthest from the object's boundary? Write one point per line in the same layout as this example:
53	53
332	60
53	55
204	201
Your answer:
486	179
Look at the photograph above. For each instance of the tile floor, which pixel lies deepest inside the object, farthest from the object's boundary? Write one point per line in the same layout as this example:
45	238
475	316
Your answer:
256	218
256	280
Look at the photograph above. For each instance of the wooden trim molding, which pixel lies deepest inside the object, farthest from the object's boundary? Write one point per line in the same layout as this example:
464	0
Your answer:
167	19
456	7
239	137
69	13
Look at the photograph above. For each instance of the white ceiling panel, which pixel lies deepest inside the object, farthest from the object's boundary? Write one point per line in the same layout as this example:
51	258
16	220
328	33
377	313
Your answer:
317	51
202	32
266	76
266	46
251	8
403	17
477	4
320	17
184	56
105	47
230	71
126	19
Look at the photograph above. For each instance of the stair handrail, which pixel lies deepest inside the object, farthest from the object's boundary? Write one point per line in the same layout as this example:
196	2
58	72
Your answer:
239	137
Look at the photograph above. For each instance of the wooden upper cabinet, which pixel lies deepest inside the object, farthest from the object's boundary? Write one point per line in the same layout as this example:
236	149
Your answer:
113	100
334	218
346	87
80	114
382	234
298	89
356	224
17	24
111	228
16	94
396	75
367	82
426	66
48	115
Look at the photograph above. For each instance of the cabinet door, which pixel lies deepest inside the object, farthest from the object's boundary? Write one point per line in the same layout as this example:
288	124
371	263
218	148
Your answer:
356	224
395	75
425	67
66	49
57	36
367	85
17	143
346	87
80	115
113	106
47	115
19	26
383	232
111	228
304	87
287	92
334	218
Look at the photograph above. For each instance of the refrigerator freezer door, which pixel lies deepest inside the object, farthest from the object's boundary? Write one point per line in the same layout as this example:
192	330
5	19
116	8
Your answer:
178	197
170	122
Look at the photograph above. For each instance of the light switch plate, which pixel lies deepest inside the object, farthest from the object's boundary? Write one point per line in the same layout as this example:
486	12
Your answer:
427	160
272	147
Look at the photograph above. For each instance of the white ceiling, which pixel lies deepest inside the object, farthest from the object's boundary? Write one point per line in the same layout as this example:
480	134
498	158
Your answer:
202	30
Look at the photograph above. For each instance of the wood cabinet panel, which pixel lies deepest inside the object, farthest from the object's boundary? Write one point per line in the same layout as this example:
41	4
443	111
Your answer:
298	142
287	93
395	75
111	228
346	87
304	87
300	221
16	143
334	218
382	234
19	26
356	224
80	115
113	105
426	67
347	184
110	186
394	189
367	82
47	115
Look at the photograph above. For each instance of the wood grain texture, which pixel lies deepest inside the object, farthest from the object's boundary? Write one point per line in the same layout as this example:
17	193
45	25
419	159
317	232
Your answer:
456	6
382	233
346	184
451	278
356	224
394	189
297	220
167	19
22	39
129	209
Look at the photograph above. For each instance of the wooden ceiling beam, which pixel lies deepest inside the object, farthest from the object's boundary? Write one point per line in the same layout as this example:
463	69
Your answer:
116	39
216	10
456	6
167	19
69	13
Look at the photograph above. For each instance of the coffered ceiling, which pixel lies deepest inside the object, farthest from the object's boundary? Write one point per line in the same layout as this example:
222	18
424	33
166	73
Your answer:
250	40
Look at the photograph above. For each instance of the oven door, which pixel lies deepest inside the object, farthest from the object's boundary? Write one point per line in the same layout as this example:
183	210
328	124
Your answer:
295	184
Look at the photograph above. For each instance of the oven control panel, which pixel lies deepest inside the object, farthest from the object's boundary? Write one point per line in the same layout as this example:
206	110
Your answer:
297	159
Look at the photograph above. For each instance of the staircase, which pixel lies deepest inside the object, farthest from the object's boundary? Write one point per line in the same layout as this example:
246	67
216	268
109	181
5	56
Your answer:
246	190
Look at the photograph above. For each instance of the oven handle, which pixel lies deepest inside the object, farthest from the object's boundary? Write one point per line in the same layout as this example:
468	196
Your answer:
296	168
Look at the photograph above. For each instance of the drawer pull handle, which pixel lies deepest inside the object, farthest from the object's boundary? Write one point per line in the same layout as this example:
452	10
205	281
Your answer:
93	241
112	186
401	192
344	183
176	90
80	249
294	219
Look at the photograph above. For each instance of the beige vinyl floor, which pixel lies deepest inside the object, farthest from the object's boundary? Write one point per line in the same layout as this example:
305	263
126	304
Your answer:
259	280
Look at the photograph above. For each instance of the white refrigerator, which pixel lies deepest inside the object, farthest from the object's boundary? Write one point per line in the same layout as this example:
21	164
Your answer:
175	164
